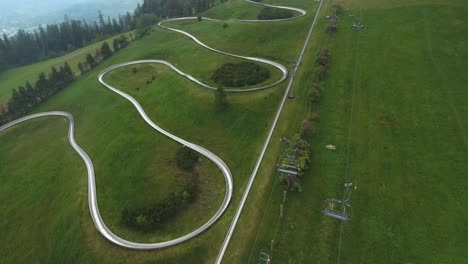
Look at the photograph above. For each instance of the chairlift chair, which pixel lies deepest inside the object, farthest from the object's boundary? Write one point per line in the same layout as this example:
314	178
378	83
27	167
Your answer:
329	209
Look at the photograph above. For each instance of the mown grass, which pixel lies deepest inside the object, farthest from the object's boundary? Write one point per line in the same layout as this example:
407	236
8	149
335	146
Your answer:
408	145
12	78
234	9
134	165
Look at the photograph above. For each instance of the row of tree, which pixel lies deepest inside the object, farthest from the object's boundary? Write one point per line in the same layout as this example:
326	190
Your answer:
297	151
27	96
57	39
103	53
54	40
175	8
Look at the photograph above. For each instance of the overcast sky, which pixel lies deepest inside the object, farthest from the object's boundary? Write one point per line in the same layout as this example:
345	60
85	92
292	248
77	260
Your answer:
25	13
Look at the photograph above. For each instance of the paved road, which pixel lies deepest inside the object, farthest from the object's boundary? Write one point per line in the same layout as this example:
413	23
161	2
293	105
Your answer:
92	196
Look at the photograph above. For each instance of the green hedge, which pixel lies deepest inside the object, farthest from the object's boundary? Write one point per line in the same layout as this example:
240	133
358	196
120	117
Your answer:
153	216
240	74
270	13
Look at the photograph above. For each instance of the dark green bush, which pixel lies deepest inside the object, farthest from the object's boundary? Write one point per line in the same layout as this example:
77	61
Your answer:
153	216
270	13
240	74
186	158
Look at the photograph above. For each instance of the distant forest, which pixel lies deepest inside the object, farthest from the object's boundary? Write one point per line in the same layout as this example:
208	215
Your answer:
57	39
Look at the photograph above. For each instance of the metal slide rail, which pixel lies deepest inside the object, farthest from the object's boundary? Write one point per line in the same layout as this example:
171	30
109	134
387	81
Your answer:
92	195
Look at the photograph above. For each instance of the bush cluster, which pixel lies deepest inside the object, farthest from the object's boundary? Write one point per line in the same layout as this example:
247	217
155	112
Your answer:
153	216
321	72
186	158
240	74
270	13
296	154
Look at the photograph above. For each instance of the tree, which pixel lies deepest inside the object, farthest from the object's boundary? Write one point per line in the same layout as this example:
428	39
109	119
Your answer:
32	97
81	68
332	28
221	102
67	73
98	56
3	115
315	95
116	45
338	9
323	58
308	129
42	86
297	151
90	61
56	39
106	52
320	73
13	104
186	158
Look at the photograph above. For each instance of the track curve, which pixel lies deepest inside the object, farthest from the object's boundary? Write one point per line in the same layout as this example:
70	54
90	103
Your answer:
92	195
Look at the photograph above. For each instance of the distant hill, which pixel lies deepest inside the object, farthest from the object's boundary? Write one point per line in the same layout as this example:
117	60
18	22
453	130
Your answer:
30	13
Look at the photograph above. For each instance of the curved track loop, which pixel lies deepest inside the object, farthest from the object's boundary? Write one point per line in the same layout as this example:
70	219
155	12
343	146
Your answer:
280	67
92	196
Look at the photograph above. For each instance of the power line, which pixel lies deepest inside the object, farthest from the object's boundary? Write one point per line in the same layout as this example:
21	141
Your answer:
346	177
237	214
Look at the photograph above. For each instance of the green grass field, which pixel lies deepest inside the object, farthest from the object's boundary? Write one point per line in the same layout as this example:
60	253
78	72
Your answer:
134	165
12	78
408	145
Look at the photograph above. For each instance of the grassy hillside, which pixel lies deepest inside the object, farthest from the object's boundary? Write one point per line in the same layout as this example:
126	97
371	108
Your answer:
408	145
12	78
134	164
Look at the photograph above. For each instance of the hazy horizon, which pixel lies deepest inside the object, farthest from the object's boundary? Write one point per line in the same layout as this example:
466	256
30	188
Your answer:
31	13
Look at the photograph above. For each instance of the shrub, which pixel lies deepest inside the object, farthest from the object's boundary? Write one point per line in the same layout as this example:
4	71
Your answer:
240	74
270	13
320	73
298	153
323	58
332	28
314	95
186	158
308	129
338	9
153	216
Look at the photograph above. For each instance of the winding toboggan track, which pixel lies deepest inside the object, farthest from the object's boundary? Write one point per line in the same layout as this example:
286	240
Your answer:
92	195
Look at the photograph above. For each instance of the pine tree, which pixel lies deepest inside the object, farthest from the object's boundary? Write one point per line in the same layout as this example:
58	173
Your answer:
90	61
67	74
42	87
31	94
106	52
81	68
